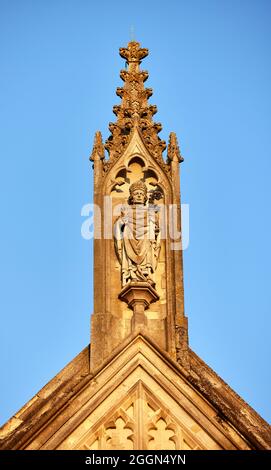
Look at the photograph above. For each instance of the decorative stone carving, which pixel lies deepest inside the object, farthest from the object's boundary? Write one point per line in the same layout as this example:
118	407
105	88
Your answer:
133	53
140	421
137	237
173	150
161	436
138	273
115	434
134	111
165	433
138	295
98	148
127	391
137	246
118	435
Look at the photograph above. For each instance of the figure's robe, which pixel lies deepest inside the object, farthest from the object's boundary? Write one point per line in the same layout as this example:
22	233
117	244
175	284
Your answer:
137	241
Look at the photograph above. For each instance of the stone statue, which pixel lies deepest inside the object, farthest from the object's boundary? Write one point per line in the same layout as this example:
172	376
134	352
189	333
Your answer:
137	236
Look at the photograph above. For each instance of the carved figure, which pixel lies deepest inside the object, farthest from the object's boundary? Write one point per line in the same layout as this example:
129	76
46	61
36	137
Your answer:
137	236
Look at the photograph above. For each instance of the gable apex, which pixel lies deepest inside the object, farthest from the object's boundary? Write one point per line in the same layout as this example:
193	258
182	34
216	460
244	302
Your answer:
174	394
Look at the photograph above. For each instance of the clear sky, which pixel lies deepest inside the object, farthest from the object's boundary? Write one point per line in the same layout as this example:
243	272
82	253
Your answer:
210	69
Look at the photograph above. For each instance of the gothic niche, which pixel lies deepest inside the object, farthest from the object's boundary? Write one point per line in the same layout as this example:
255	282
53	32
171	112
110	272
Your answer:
137	236
137	232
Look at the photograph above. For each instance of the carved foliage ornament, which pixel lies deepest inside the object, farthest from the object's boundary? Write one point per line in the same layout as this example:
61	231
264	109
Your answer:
98	148
133	112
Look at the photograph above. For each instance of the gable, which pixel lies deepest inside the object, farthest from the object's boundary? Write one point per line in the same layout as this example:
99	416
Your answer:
138	401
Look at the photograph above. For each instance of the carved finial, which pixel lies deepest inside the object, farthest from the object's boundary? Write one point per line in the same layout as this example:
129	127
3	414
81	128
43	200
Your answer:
134	111
98	148
133	54
173	151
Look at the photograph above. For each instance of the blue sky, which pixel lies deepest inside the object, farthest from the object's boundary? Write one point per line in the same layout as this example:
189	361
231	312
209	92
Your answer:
210	70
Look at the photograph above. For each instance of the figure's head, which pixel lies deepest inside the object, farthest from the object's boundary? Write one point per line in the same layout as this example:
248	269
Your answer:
138	193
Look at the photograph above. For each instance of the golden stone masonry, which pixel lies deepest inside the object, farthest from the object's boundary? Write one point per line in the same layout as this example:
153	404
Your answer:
138	385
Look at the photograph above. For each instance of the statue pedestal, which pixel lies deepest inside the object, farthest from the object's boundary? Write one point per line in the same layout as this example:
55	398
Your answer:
138	295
